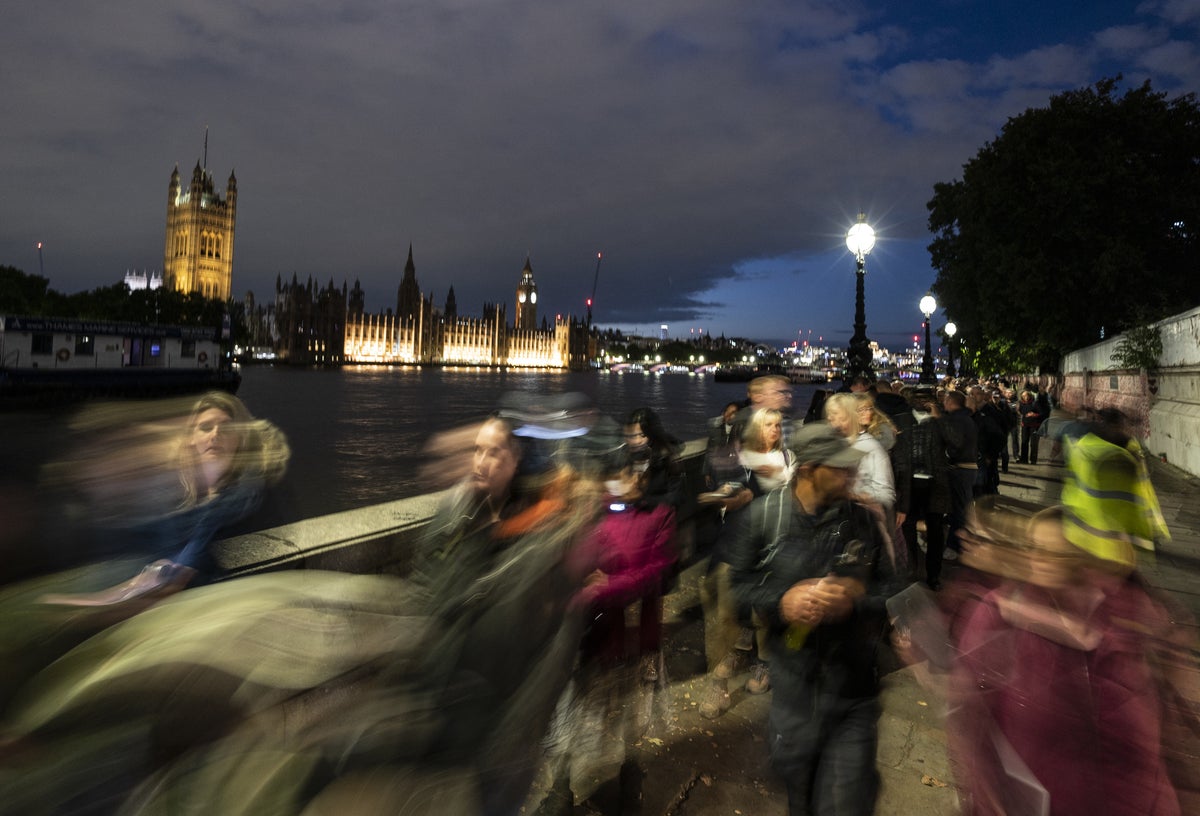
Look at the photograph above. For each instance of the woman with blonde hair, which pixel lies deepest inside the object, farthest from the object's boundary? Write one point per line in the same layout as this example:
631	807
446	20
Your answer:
211	473
763	453
226	458
874	421
770	467
874	484
224	445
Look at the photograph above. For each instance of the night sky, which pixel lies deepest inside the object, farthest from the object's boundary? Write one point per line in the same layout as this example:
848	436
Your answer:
716	151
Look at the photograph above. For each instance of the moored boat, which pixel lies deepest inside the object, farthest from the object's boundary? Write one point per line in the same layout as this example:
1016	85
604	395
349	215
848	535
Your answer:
47	360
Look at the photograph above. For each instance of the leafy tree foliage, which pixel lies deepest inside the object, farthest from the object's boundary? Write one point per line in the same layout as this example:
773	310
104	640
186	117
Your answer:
21	294
30	295
1079	218
1139	348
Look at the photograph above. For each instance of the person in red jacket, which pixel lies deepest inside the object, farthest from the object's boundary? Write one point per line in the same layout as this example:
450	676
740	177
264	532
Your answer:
1053	697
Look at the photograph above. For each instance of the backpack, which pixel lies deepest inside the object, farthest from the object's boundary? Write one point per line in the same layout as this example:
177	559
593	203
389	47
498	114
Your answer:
770	523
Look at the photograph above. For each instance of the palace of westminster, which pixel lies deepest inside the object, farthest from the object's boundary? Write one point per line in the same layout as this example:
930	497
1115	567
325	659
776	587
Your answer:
310	324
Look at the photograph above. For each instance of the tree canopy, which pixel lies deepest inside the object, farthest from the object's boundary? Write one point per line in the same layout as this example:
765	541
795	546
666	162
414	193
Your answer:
30	296
1078	221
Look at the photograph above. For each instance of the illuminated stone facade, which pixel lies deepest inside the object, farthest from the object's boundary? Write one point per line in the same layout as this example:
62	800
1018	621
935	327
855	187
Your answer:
430	336
474	340
384	338
200	226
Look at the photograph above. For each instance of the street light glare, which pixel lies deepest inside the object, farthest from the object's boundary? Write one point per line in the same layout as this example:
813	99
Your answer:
928	305
861	238
951	329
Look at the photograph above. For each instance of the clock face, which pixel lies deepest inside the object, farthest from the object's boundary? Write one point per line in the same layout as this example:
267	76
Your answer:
521	297
533	297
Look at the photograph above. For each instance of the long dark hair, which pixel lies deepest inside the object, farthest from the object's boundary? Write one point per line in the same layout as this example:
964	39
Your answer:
663	476
659	439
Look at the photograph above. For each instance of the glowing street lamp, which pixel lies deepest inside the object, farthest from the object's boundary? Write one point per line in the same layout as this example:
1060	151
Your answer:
950	330
860	240
927	306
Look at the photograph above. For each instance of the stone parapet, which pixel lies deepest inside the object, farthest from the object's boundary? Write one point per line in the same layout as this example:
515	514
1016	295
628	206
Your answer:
379	538
1164	405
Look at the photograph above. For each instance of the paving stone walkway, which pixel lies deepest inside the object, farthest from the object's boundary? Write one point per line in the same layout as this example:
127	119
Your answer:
698	767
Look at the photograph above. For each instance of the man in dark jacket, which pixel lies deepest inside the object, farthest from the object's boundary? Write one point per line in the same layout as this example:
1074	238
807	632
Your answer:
992	437
925	492
1006	412
815	567
962	449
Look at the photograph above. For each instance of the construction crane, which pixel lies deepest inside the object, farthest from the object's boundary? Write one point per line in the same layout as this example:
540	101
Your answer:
595	280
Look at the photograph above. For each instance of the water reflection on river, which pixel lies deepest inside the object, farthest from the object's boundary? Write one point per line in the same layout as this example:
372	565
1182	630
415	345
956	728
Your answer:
357	433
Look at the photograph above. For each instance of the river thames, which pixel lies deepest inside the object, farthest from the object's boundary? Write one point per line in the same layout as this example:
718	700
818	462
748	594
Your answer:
358	433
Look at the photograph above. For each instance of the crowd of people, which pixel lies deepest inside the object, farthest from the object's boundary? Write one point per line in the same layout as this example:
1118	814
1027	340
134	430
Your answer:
528	631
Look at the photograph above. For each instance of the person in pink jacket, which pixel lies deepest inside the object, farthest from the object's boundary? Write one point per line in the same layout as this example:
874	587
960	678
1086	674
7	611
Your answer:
619	686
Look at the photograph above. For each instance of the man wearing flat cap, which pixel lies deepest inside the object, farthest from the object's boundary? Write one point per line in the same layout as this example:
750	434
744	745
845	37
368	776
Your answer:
816	567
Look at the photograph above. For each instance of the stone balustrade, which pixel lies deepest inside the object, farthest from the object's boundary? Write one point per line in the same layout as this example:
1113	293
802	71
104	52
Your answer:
380	537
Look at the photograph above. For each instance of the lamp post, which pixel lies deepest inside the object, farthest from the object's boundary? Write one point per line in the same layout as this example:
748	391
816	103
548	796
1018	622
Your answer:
951	330
859	240
928	306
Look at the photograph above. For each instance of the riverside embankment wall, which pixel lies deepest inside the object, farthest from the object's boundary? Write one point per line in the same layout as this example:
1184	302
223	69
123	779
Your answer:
1164	404
379	538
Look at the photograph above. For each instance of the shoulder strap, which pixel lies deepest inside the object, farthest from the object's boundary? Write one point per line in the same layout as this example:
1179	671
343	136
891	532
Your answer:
770	524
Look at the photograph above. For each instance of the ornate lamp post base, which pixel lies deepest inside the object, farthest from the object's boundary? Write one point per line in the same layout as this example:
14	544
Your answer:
859	359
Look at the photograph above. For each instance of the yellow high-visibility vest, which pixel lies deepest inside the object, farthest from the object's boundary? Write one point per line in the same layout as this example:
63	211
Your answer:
1111	504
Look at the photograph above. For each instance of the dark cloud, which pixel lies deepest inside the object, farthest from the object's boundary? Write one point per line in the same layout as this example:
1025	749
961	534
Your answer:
683	138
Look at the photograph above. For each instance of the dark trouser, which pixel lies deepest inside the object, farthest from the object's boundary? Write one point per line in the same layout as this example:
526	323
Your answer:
987	478
1029	444
962	493
650	624
607	640
824	746
935	535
